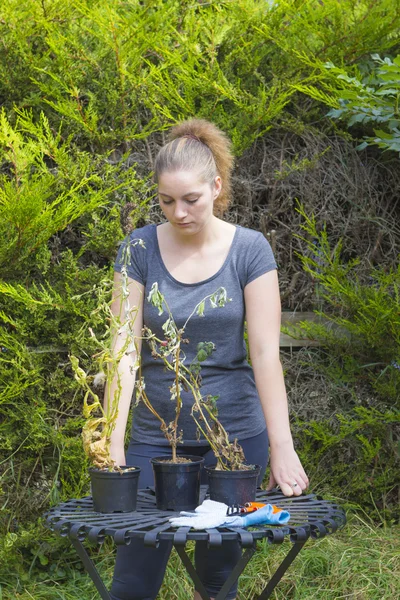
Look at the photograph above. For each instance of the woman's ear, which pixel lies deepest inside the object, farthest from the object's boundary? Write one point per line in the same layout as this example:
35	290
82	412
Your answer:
217	186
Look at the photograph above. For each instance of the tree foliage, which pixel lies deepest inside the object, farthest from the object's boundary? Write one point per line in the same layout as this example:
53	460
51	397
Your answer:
360	336
116	72
369	100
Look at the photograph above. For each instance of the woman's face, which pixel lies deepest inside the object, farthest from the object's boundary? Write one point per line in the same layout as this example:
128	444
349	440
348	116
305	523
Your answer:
186	201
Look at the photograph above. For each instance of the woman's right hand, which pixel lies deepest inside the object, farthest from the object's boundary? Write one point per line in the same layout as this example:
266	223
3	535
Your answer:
117	453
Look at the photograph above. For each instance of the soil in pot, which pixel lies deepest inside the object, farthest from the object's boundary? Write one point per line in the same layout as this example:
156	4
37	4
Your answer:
233	487
177	485
113	491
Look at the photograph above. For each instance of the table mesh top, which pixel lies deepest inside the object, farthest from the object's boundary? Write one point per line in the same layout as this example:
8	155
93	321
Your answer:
310	516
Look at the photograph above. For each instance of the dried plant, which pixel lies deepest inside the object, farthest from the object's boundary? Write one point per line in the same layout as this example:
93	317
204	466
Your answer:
230	455
188	378
100	421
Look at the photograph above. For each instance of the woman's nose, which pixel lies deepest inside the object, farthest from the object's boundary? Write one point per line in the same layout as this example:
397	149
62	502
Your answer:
180	210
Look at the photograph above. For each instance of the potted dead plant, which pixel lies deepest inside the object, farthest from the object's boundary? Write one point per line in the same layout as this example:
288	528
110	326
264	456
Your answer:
231	480
114	487
177	479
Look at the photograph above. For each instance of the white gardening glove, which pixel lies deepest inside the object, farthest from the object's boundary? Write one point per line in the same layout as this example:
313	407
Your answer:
208	515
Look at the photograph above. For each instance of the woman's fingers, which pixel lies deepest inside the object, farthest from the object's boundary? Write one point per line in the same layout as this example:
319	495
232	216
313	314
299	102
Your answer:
303	481
301	478
293	485
272	482
286	489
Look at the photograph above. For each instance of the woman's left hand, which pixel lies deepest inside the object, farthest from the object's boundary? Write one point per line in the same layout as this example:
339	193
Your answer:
287	472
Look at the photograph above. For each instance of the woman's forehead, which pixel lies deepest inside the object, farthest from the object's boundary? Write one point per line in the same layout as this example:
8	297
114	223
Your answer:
185	181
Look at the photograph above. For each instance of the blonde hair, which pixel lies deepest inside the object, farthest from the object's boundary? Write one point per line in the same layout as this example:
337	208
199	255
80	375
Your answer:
197	144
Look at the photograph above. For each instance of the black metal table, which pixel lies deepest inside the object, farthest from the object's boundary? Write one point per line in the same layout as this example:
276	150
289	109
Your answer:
310	516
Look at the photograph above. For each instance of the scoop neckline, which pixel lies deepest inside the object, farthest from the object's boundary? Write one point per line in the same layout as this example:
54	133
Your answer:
203	280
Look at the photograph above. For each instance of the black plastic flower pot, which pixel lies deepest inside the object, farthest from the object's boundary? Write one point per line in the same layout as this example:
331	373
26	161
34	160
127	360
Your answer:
233	487
177	485
113	491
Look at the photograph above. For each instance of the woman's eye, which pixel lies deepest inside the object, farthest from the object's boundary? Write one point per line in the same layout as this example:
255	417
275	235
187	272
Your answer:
168	202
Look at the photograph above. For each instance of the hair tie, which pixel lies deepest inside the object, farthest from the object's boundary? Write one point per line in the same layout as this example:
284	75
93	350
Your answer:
192	136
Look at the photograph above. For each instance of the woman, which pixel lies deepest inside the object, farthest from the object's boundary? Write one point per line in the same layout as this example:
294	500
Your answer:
190	256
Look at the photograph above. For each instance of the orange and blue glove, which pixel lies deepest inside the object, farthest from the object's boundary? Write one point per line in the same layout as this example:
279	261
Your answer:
214	514
269	514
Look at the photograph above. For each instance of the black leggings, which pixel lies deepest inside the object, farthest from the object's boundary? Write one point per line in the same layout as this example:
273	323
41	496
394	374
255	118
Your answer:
139	571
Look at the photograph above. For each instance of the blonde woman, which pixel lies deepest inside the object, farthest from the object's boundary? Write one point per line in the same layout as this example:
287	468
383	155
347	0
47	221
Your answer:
190	255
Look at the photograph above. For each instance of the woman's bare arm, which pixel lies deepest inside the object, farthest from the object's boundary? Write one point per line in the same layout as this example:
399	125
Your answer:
263	315
126	371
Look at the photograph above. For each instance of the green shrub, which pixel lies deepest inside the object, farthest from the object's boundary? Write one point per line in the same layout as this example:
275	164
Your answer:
365	341
369	99
358	448
59	224
114	73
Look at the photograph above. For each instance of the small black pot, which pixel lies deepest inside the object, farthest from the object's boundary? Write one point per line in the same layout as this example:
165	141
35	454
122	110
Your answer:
233	487
113	491
177	485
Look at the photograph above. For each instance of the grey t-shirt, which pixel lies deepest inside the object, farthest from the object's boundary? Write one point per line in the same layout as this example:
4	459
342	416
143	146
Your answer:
226	372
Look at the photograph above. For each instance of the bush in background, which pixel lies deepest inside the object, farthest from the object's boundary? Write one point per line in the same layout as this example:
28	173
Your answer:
360	340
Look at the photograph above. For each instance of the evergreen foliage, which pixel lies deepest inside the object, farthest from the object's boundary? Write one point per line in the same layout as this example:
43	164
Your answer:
361	338
366	340
372	99
115	72
53	196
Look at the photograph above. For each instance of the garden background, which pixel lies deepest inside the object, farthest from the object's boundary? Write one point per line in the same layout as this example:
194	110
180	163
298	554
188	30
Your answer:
309	93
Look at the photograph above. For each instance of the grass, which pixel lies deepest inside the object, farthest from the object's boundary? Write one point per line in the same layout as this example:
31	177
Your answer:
361	562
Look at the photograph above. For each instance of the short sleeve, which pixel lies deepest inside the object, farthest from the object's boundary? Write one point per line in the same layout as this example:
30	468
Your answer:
132	252
260	258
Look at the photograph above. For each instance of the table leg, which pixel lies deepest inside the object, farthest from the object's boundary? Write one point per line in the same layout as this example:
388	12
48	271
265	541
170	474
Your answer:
237	571
91	569
222	594
192	572
281	570
234	575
